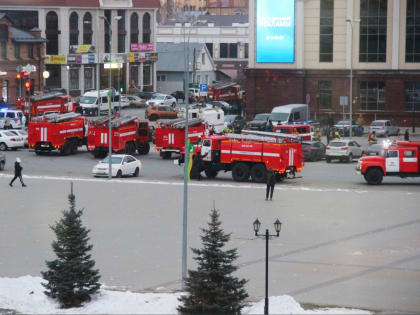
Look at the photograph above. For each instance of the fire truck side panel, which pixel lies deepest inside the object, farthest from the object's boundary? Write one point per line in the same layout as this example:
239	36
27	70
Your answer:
173	139
409	160
272	157
247	151
124	134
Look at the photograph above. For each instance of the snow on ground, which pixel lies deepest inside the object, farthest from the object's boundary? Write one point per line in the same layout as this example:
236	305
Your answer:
26	295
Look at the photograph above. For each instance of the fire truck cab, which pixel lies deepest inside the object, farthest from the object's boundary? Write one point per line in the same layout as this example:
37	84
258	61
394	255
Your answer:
399	159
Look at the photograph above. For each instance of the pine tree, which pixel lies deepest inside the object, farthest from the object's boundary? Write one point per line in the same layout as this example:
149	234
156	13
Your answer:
211	288
71	278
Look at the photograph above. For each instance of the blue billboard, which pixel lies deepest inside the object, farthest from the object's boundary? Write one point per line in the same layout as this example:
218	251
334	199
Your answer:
275	31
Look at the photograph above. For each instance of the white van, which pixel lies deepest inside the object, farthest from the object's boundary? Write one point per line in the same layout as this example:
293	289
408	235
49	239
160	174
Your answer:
213	117
16	117
89	102
291	113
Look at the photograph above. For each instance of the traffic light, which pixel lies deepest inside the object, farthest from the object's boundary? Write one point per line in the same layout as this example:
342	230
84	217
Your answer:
28	88
19	76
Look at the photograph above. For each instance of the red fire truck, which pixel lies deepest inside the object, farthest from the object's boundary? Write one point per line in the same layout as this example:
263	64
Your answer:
400	159
170	136
62	132
128	135
50	102
230	92
303	130
250	155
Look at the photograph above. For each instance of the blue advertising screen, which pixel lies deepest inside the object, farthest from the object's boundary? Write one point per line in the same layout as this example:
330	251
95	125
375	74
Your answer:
276	31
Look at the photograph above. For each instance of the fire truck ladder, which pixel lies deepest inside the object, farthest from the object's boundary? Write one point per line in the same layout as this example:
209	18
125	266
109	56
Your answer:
191	122
101	120
250	137
56	117
276	134
117	122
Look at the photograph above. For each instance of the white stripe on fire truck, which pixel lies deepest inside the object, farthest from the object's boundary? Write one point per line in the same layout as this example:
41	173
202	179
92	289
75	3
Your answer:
409	159
103	138
71	130
127	133
195	134
48	106
246	153
271	154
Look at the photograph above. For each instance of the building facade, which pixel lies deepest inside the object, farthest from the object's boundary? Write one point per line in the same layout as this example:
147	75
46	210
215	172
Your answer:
227	7
82	34
19	48
226	38
377	39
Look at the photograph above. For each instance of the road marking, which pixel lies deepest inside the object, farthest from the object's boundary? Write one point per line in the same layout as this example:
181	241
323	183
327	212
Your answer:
281	187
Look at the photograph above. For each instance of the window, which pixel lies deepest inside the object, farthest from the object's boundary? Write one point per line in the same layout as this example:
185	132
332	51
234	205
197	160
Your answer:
223	50
325	94
17	50
228	50
146	74
206	79
107	32
373	23
134	28
210	48
198	79
87	29
4	36
372	95
326	31
161	77
74	29
30	51
393	154
146	28
88	74
134	75
121	31
412	37
3	44
51	33
74	79
203	59
409	153
412	96
233	51
246	50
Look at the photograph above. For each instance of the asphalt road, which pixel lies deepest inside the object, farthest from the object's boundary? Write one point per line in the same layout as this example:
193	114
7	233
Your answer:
342	242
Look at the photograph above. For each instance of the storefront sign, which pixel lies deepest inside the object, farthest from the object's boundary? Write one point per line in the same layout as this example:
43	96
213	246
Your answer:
142	47
275	31
84	49
55	60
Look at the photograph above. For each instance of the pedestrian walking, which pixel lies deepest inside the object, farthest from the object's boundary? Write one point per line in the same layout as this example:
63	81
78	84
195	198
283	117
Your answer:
18	173
406	135
271	182
328	134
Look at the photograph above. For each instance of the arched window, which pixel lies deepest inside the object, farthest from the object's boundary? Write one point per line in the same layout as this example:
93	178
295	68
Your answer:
51	32
146	28
74	29
4	37
87	29
121	31
134	28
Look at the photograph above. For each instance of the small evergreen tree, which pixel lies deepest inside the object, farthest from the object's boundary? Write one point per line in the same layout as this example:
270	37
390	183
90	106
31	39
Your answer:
211	288
71	278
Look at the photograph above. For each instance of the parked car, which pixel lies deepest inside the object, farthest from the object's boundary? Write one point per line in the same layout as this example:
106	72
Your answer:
343	150
2	160
125	102
343	127
162	99
225	106
8	139
259	122
313	150
161	111
145	95
21	133
16	117
384	128
122	165
235	122
374	149
136	101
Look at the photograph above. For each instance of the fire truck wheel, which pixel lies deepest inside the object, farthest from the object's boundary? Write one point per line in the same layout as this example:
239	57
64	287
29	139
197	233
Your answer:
3	146
210	172
153	117
373	176
136	172
240	172
144	148
258	173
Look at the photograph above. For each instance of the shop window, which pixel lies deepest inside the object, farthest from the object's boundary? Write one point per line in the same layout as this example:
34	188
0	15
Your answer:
74	79
372	95
412	36
89	79
134	75
326	31
412	96
325	94
147	75
373	24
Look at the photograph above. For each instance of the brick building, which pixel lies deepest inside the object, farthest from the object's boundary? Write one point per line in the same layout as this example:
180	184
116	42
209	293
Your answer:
385	58
18	48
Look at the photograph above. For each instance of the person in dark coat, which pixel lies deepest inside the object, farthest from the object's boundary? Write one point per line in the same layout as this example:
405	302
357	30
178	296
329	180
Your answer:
406	135
269	126
271	182
328	133
18	173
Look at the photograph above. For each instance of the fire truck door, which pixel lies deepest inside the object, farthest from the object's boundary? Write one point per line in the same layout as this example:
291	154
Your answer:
206	148
409	162
392	162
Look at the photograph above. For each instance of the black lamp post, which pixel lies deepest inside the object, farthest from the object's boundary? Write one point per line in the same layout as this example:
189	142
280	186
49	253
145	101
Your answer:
267	235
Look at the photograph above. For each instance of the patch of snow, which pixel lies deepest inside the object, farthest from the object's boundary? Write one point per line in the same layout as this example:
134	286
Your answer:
26	295
357	253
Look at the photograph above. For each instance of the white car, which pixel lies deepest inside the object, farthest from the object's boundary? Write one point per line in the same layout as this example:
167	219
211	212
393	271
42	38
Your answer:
21	133
9	139
16	117
122	165
343	150
125	102
162	99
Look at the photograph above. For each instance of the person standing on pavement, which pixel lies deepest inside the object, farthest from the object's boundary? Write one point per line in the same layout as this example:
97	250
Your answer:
18	173
327	133
406	135
271	182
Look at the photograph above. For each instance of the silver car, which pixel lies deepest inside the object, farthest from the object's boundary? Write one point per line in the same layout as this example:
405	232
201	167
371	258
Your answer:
384	128
343	150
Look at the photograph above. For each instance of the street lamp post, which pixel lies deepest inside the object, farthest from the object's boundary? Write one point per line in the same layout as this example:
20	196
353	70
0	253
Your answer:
109	96
351	75
267	235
